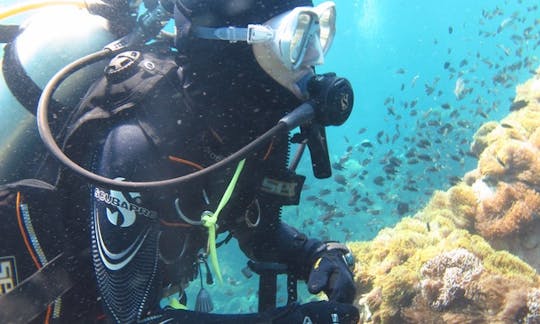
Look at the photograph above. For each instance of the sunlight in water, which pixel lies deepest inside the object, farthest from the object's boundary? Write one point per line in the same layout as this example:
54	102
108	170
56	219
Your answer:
367	13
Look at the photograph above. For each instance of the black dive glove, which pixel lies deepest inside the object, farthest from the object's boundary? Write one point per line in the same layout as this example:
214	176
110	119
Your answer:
332	274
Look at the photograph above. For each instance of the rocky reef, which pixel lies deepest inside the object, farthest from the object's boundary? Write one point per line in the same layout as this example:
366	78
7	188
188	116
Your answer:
472	254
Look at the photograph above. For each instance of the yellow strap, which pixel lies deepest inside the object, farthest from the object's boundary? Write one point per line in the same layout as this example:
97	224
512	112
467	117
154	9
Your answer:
209	220
174	303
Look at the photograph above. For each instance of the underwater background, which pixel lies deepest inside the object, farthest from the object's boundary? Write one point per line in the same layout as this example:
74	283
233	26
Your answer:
426	75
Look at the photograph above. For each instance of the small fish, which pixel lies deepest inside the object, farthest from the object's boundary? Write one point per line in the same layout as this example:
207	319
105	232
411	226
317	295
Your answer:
337	166
340	179
445	106
517	105
459	88
362	130
400	71
446	65
324	192
424	157
423	143
366	143
450	29
454	180
379	181
402	208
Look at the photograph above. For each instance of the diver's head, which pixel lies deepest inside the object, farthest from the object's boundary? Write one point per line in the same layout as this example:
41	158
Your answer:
288	38
297	41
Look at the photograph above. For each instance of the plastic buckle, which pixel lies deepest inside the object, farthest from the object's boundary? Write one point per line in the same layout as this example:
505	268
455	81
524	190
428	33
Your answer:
259	34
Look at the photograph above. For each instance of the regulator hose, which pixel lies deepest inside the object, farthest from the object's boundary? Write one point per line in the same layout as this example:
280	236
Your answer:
303	114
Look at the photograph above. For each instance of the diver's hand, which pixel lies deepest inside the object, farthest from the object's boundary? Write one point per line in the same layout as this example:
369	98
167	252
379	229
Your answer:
321	312
331	274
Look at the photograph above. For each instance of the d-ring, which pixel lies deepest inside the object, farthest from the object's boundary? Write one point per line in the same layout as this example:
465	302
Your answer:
182	216
247	214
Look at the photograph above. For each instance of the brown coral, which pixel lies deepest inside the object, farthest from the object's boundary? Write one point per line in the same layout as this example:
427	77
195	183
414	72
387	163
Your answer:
449	276
508	210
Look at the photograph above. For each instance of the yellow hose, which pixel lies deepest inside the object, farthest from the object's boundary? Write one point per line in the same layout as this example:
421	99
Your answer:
18	9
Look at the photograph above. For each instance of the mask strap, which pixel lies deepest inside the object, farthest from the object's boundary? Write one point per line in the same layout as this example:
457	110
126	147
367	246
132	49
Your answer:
252	34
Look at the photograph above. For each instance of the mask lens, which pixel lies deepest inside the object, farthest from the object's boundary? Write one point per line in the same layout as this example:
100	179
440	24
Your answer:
327	21
300	37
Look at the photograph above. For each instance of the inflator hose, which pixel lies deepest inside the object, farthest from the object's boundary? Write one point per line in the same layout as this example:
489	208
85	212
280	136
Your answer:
45	133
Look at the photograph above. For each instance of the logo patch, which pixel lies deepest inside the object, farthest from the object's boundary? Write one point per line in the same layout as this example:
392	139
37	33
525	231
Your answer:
124	212
8	274
280	188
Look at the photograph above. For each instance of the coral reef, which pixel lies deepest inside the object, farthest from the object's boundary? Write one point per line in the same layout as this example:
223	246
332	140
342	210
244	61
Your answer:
427	270
472	254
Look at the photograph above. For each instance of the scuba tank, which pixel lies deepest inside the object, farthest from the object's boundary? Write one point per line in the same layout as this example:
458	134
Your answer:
46	42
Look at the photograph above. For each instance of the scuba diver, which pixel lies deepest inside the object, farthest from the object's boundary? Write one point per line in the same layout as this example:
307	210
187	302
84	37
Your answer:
171	146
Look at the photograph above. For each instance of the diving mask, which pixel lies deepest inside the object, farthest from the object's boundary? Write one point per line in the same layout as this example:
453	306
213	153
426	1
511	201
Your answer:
286	46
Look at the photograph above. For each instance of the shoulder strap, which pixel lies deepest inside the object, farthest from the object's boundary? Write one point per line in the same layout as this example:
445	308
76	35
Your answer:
32	296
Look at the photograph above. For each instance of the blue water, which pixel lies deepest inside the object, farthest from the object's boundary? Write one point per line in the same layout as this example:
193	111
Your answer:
390	50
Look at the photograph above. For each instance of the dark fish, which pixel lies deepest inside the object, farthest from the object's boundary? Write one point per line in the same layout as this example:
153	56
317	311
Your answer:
454	180
366	143
412	161
341	189
410	153
340	179
379	181
361	130
446	65
450	29
429	89
445	106
518	105
402	208
424	157
445	129
324	192
411	188
423	143
311	198
456	158
400	71
463	63
337	166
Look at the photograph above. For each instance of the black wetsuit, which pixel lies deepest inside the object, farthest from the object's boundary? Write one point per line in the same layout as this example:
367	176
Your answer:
140	243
